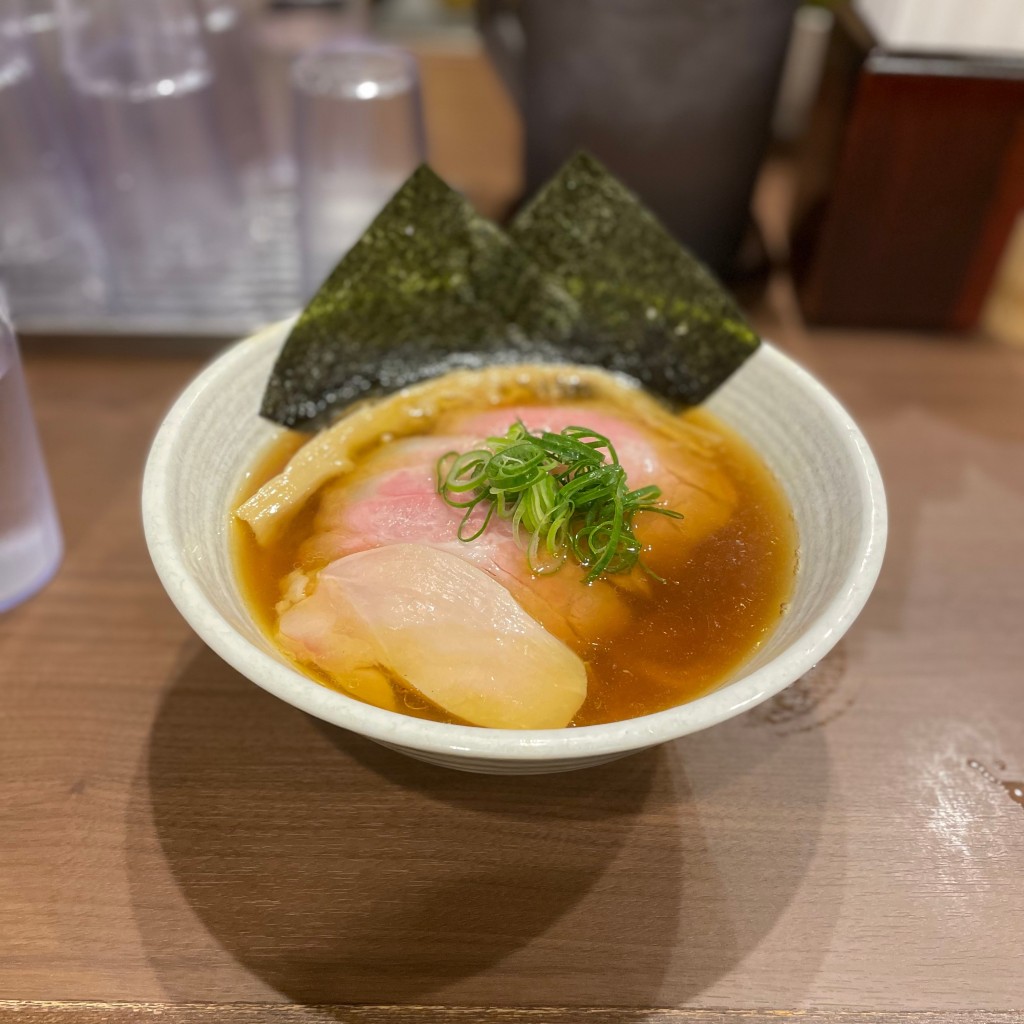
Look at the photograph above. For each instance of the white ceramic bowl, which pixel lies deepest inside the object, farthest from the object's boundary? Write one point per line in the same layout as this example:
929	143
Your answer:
212	435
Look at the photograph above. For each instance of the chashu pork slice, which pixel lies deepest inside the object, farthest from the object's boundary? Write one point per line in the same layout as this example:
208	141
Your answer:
442	627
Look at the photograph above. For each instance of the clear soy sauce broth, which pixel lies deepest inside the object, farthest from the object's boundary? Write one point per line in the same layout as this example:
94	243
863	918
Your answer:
720	601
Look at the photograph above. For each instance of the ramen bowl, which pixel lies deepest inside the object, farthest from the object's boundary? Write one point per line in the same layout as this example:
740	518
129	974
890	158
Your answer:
213	436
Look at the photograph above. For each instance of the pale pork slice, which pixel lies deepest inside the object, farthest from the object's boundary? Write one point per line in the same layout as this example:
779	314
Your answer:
444	628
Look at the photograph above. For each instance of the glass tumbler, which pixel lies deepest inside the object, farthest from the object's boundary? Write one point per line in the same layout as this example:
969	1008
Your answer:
167	193
358	134
294	28
40	25
230	43
30	537
49	253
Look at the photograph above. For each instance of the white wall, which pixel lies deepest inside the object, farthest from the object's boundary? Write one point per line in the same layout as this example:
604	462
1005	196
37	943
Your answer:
954	26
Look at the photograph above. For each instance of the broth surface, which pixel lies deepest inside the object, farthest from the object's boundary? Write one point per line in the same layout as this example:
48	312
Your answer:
719	603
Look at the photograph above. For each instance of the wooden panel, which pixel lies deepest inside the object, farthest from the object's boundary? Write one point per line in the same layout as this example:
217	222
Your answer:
265	1013
1005	209
923	196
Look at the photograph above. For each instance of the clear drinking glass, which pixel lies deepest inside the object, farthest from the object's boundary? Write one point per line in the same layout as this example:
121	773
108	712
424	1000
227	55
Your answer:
296	27
49	253
166	189
40	25
30	539
230	44
358	134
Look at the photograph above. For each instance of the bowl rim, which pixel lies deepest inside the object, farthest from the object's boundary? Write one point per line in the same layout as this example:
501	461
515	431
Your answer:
565	744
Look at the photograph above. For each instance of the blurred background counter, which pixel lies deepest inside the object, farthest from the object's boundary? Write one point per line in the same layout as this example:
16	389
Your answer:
898	127
108	178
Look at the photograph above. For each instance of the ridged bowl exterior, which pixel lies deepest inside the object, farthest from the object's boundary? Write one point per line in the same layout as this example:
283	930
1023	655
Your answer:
213	434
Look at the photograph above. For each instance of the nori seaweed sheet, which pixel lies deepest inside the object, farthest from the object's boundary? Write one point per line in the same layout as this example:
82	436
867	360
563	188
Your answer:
586	275
431	286
648	307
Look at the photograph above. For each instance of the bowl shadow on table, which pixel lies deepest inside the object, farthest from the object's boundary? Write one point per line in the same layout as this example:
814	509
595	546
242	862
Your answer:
335	871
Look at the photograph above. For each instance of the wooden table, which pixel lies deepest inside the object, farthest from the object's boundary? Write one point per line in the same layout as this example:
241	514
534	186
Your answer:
175	844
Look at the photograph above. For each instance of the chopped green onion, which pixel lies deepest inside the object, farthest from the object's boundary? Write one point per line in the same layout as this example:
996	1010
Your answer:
567	492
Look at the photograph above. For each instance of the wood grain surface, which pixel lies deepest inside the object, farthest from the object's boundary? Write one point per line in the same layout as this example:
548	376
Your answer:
177	844
282	1013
